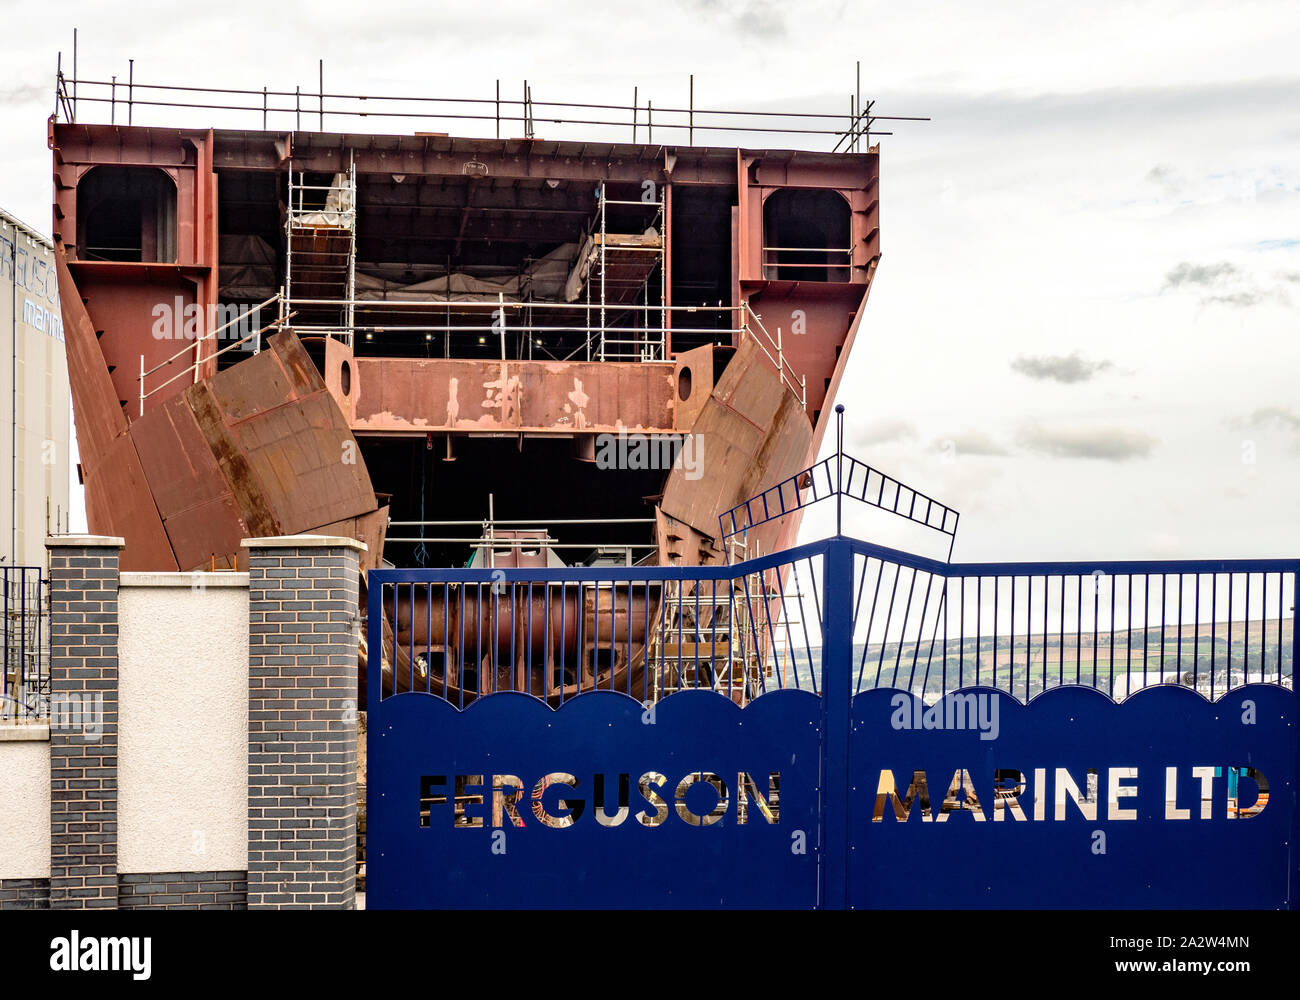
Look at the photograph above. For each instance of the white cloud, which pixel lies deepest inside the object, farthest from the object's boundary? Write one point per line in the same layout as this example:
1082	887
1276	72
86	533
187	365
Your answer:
1112	444
1066	369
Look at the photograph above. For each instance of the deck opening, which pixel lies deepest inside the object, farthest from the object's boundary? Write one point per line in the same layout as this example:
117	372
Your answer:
701	264
806	236
126	214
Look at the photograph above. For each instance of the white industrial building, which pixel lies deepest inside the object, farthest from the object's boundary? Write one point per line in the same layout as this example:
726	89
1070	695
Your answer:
35	458
36	452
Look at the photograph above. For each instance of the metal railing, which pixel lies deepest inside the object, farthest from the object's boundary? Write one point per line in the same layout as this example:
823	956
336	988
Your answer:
195	345
1117	627
625	550
834	478
752	325
487	536
881	618
25	683
611	342
284	109
557	632
600	342
773	266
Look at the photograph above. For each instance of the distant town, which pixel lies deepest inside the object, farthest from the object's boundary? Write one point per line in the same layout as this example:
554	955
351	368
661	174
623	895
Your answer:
1118	662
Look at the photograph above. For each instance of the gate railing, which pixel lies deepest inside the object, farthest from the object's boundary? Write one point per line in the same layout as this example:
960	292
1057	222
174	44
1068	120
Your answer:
833	618
556	632
877	617
837	477
25	677
1118	627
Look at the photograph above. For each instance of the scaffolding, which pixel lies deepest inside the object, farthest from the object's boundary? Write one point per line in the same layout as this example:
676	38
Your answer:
617	271
622	264
320	261
720	641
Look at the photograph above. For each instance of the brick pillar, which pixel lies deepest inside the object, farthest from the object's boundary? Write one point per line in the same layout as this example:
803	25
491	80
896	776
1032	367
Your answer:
304	628
83	721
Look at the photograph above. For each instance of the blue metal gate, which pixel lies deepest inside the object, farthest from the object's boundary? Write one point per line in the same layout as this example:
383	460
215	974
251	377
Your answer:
838	725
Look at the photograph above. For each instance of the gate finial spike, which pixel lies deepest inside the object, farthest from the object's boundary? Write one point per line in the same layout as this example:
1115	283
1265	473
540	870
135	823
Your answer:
839	468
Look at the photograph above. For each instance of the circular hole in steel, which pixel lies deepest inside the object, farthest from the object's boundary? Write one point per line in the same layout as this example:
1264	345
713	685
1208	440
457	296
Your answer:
345	379
684	384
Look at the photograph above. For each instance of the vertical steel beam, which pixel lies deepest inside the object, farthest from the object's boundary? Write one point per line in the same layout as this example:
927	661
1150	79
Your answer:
837	665
1294	798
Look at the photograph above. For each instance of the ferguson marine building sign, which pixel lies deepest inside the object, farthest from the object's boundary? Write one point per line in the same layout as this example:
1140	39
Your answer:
34	368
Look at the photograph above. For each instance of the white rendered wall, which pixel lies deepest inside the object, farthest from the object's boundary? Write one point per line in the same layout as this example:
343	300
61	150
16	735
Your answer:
24	802
183	722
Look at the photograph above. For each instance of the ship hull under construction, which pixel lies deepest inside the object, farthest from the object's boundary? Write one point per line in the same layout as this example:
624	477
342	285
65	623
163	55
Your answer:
422	342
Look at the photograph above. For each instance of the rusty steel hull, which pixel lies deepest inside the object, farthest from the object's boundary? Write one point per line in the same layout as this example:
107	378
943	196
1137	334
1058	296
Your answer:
413	395
272	445
468	640
258	450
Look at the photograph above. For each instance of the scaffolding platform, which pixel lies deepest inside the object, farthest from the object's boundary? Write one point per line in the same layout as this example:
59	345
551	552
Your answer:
622	263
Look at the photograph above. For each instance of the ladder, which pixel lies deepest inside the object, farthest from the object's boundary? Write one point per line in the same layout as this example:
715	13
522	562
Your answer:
619	266
321	253
692	643
715	640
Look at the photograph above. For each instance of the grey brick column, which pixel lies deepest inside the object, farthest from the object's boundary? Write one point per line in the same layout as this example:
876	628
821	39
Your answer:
83	721
304	627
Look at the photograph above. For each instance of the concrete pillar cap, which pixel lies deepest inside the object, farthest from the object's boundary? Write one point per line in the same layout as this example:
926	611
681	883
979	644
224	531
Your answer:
304	542
84	542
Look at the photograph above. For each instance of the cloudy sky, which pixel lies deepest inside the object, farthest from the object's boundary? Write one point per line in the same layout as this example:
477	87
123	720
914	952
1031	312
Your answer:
1083	332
